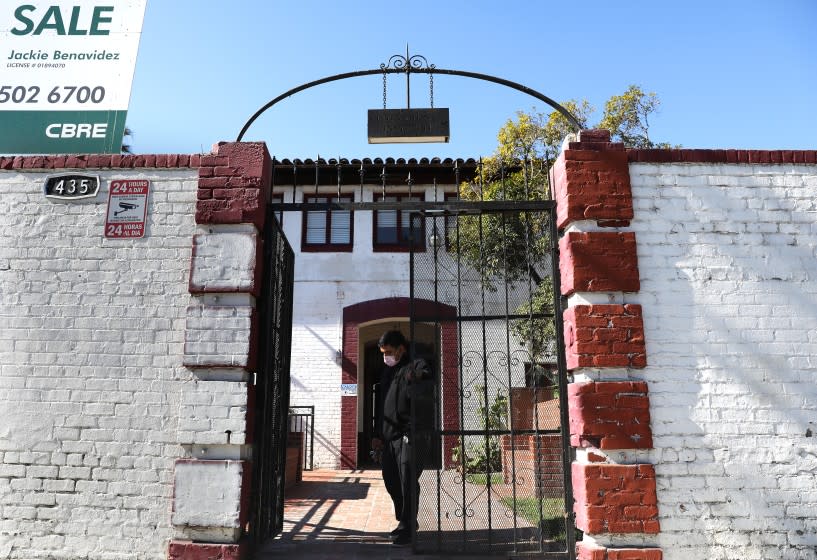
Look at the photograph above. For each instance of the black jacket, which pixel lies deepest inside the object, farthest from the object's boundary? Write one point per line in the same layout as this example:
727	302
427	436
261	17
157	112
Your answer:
386	377
412	378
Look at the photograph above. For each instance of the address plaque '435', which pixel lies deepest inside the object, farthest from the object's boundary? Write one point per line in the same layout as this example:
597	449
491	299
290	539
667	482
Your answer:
71	186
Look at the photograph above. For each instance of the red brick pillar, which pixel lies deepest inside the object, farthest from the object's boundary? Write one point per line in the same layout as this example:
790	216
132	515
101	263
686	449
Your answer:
348	403
212	484
604	346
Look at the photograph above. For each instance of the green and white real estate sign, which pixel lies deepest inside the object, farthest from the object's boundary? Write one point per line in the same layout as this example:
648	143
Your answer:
66	68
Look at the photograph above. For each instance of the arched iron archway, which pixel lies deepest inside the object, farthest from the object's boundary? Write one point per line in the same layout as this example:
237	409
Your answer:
406	66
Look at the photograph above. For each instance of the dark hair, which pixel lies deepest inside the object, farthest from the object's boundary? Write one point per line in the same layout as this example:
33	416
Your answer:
393	339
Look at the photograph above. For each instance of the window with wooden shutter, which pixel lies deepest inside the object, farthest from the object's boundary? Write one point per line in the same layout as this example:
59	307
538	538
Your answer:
392	228
327	230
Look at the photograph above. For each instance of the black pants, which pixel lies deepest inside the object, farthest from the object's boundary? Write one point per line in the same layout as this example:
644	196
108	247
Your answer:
408	478
391	479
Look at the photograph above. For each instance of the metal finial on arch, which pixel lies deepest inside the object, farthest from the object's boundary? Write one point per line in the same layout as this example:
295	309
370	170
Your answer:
408	65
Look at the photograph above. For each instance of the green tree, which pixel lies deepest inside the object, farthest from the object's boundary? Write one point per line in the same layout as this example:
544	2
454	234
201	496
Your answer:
557	127
535	136
506	248
479	456
627	117
511	248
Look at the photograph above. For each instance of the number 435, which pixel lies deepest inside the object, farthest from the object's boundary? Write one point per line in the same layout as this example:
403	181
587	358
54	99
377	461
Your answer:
72	186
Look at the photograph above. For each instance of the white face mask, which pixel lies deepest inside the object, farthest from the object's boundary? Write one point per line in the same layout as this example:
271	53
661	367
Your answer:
390	361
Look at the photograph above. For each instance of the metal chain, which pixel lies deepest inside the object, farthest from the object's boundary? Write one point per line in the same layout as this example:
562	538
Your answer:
384	88
431	88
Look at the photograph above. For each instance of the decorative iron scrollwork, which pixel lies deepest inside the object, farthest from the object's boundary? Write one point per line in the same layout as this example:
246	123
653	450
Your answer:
409	63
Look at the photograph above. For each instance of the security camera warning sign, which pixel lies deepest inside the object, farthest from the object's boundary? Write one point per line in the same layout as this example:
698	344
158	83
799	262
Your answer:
127	209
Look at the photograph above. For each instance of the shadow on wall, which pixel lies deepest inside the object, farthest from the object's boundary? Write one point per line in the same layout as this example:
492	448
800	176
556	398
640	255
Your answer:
736	439
323	445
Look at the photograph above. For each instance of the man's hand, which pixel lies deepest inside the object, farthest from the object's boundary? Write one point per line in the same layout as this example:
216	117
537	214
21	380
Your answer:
420	370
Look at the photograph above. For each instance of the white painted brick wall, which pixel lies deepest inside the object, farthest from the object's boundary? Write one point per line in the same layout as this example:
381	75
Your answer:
728	264
224	258
213	412
217	332
207	499
315	380
91	340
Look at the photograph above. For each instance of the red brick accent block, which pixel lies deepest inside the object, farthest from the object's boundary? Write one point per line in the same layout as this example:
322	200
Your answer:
598	262
348	432
590	552
450	385
604	336
609	415
591	181
535	462
615	498
187	550
234	184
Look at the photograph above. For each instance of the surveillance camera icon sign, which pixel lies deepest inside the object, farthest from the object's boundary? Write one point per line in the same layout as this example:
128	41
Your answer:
124	207
127	209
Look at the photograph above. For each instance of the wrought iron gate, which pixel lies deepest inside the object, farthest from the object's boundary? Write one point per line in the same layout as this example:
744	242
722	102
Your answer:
495	465
272	385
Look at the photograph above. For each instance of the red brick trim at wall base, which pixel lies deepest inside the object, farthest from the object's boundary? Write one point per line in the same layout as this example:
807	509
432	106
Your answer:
589	552
187	550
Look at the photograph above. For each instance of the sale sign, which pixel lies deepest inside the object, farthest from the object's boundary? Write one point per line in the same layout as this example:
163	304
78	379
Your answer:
127	209
66	69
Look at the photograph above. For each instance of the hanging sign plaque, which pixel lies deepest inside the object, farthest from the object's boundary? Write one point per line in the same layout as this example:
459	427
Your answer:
401	126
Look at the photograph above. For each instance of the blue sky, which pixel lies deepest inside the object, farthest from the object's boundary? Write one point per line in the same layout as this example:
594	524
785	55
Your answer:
730	74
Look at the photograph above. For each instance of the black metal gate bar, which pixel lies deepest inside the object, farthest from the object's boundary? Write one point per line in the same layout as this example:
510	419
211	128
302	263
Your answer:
509	368
488	469
475	539
480	535
568	453
427	208
272	385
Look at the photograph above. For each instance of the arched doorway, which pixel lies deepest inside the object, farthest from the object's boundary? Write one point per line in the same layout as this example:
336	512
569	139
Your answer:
363	323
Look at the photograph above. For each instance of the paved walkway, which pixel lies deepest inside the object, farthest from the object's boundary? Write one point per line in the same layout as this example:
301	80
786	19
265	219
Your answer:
343	514
337	514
